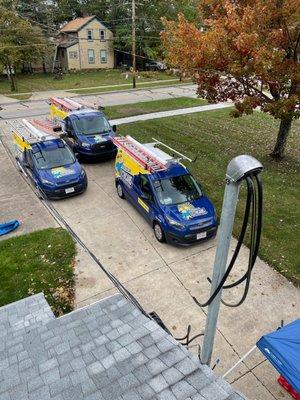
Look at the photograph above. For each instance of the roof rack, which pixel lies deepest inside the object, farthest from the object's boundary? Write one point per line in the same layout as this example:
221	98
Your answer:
140	153
29	133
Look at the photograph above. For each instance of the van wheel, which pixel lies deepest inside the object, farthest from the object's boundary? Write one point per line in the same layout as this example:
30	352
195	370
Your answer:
120	191
158	232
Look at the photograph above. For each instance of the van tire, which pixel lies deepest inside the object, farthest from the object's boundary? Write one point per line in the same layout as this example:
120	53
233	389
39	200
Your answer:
158	232
120	191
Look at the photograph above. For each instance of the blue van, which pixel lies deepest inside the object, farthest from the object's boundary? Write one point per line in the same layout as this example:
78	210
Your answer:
165	193
89	134
53	168
86	129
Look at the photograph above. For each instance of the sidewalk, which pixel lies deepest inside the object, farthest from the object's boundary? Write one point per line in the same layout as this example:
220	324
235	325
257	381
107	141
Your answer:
170	113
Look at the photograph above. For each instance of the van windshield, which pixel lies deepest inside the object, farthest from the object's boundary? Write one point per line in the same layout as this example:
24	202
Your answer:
179	189
52	157
91	125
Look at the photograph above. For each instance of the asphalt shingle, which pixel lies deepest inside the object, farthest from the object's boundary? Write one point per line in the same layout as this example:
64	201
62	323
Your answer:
106	351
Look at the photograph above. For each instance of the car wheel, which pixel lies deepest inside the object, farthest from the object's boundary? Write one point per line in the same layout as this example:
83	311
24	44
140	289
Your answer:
120	191
158	232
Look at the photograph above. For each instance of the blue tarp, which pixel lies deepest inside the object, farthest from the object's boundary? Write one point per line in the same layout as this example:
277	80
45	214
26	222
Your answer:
9	227
282	349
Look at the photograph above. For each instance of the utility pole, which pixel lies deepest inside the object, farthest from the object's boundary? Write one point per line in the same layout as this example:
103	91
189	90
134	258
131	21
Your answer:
238	168
133	46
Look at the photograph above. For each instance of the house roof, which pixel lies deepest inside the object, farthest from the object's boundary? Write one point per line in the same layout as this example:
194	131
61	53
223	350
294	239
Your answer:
76	24
108	350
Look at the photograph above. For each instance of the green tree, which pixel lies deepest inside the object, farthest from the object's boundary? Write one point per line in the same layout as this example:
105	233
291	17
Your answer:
20	42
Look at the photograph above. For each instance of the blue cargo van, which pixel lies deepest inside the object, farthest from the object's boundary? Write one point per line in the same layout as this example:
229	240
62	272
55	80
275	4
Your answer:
164	192
49	162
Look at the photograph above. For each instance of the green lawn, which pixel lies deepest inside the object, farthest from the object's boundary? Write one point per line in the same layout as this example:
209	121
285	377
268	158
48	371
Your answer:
216	138
127	110
76	80
41	261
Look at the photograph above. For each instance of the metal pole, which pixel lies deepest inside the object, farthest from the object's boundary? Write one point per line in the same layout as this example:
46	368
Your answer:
223	243
133	46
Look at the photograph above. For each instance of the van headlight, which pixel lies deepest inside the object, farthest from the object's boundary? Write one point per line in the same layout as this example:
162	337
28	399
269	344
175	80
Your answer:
174	223
46	182
86	145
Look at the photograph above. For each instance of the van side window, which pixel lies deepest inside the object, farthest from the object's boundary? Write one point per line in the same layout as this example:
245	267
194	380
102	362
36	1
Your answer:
28	159
68	126
144	185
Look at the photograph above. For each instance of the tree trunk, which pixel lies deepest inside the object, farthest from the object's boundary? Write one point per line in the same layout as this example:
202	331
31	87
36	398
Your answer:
284	129
44	66
12	78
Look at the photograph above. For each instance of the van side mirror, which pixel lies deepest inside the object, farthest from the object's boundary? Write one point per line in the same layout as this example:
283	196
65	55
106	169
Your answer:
114	128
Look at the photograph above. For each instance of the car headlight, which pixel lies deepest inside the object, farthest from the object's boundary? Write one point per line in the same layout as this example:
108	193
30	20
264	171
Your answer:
174	223
46	182
82	173
86	145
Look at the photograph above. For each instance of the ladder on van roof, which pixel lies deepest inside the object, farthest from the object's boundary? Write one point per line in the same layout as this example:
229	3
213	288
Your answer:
140	153
29	133
69	105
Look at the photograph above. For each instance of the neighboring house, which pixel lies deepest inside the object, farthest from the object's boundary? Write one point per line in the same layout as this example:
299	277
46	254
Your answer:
85	43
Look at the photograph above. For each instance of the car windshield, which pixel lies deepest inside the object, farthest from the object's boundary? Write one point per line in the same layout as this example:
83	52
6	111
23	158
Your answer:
177	190
52	157
91	125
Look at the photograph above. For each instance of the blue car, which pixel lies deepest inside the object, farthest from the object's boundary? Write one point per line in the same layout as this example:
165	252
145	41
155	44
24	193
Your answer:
53	168
165	193
89	134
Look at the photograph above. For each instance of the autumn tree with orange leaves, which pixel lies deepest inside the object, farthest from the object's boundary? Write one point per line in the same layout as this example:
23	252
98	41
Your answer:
247	52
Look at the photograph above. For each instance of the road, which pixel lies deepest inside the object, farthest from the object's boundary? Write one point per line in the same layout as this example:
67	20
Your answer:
34	108
164	278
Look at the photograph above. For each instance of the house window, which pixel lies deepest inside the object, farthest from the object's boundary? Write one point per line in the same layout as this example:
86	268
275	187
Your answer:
103	56
73	55
102	35
89	33
91	56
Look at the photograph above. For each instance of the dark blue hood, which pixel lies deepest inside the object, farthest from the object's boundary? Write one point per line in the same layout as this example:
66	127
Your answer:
191	212
95	139
61	175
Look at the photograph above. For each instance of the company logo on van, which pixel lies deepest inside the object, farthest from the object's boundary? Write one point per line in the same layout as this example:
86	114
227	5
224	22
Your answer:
188	211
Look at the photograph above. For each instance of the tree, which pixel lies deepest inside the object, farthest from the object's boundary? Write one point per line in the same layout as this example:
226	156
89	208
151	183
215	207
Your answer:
19	42
247	51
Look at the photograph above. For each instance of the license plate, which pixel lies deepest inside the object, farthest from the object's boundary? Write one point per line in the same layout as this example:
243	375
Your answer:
69	190
201	235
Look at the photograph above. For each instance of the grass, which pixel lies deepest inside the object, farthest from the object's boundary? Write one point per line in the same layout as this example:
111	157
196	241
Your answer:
41	261
76	80
216	138
152	106
20	96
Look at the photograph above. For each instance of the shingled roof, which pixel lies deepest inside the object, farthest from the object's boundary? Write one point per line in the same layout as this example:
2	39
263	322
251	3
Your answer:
78	23
108	350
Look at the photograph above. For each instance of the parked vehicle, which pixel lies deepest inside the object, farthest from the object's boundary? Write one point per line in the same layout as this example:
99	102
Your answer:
85	128
48	161
164	191
155	66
